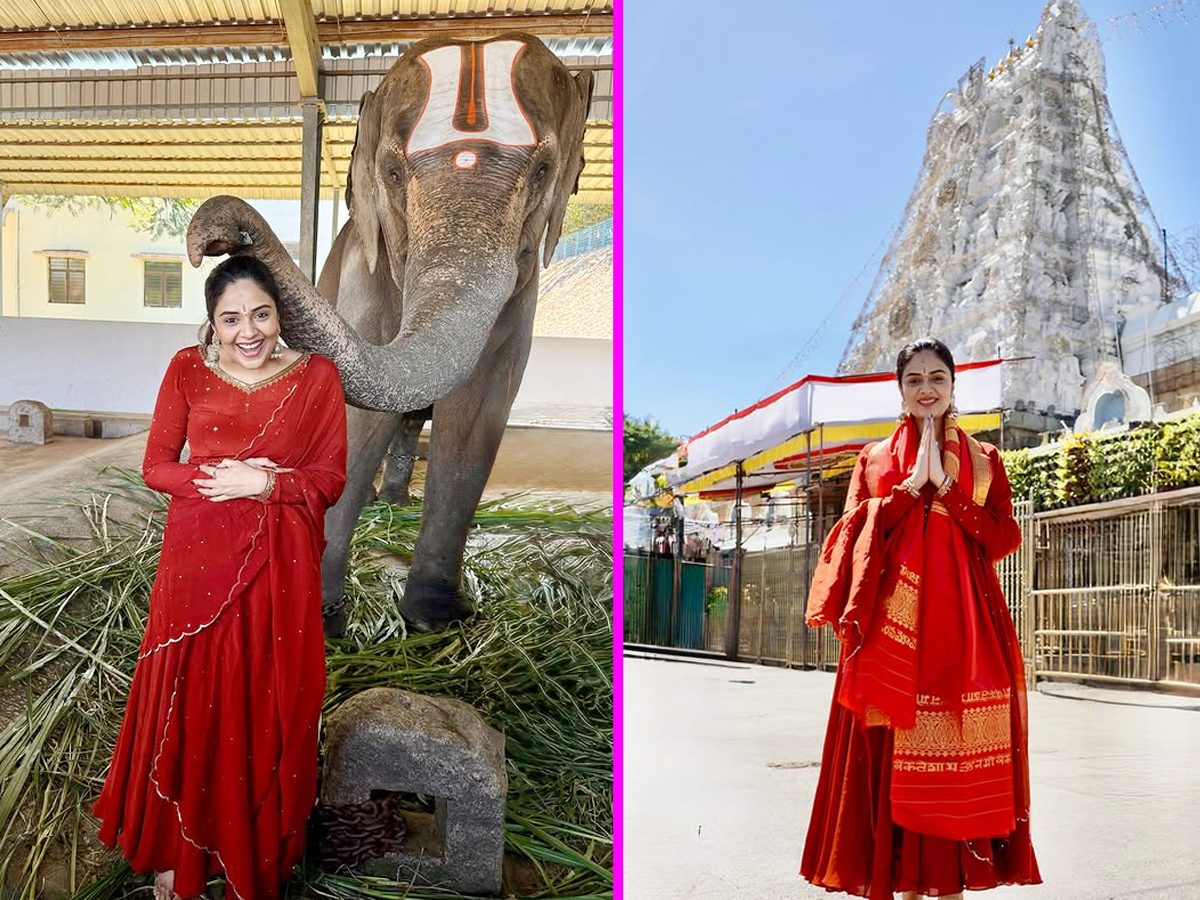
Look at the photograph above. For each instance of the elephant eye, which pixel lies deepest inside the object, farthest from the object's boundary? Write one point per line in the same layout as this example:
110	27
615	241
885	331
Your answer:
541	172
394	174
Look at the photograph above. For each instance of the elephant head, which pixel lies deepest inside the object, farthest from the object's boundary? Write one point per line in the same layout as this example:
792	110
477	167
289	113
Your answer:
465	157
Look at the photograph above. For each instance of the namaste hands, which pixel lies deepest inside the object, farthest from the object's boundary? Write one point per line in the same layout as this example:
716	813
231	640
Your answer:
928	467
231	479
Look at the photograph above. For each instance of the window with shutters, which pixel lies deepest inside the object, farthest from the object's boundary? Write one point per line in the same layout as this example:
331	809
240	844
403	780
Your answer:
163	284
66	279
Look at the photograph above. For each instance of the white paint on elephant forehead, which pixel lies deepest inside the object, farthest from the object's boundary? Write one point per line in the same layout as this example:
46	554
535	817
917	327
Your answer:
465	159
507	122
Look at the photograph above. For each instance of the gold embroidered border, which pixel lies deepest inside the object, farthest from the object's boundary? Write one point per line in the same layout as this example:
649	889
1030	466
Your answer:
901	607
982	729
899	636
950	765
936	701
950	461
249	387
987	696
983	472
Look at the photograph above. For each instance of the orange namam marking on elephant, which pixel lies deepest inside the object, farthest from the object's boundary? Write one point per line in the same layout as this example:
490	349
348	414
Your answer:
471	98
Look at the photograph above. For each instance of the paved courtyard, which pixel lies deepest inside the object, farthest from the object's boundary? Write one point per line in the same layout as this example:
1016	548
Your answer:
721	761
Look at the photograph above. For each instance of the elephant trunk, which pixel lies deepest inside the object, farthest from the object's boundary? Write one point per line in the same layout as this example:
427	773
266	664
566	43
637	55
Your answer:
447	318
451	302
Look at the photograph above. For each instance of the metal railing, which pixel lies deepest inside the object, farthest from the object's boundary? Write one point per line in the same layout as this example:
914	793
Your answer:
1108	592
1116	593
590	238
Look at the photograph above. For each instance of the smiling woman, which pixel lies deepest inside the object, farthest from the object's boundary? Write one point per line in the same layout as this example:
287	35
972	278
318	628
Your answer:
924	784
215	767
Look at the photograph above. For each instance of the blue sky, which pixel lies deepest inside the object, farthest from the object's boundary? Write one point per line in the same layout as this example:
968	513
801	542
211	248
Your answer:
769	149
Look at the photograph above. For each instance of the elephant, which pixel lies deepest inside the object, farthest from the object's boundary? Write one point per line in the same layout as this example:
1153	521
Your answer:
465	157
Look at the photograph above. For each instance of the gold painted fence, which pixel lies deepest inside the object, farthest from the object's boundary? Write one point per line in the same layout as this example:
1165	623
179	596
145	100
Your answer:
1106	593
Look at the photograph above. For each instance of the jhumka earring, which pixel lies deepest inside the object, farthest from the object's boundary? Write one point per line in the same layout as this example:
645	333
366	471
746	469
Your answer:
903	412
277	351
214	349
953	410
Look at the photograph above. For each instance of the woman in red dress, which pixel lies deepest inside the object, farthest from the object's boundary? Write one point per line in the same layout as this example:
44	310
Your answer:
215	767
924	784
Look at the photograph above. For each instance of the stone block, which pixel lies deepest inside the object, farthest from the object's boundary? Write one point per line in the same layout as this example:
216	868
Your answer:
30	422
391	740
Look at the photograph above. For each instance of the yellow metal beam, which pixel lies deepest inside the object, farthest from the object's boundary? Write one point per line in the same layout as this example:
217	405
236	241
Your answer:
306	48
263	34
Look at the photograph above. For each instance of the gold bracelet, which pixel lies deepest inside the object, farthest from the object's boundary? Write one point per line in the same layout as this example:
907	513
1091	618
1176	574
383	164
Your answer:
946	483
911	488
266	492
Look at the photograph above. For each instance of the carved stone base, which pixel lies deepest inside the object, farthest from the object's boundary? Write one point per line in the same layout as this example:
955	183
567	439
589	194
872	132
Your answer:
391	740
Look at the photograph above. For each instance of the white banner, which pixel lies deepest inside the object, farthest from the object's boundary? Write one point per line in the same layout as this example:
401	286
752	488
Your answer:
818	400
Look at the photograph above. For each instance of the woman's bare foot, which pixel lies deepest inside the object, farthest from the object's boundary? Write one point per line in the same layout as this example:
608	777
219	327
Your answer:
164	885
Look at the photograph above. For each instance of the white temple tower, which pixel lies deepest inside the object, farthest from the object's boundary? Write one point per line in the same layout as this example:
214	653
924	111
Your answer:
1027	233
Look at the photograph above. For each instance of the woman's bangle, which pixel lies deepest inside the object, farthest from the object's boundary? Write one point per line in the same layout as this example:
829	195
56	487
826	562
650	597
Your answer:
910	487
266	492
945	486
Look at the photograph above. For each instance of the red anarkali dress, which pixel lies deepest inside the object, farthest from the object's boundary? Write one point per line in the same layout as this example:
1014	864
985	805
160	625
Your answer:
215	767
924	782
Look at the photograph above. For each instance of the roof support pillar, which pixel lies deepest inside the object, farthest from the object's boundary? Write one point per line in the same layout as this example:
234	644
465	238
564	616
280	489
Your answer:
310	185
3	200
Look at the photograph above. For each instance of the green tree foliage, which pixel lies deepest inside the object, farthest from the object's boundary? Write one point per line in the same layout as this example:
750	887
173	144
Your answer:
1177	455
1091	468
1122	465
1073	486
645	441
157	216
580	215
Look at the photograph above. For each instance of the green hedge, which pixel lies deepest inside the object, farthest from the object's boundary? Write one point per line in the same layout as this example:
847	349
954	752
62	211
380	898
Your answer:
1091	467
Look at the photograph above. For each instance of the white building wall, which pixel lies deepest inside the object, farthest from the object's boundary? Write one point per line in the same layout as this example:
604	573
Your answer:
114	267
116	366
87	366
568	372
108	354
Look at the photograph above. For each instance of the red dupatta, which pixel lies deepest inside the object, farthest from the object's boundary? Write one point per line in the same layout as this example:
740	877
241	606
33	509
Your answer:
919	652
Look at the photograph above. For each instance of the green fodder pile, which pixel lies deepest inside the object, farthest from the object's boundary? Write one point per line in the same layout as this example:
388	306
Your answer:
536	662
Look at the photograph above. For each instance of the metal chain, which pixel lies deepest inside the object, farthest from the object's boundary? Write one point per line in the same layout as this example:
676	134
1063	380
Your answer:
353	833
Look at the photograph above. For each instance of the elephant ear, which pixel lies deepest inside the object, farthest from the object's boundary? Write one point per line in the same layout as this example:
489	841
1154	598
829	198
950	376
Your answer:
571	132
361	189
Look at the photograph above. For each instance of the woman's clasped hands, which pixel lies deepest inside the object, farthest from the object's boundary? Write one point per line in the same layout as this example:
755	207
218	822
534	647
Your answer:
928	467
233	479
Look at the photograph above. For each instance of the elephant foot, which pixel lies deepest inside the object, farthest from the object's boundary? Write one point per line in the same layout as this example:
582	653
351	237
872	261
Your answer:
434	605
395	496
334	619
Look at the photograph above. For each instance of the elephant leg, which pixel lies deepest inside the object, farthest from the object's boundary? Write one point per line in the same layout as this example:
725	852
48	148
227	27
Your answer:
468	424
401	455
368	435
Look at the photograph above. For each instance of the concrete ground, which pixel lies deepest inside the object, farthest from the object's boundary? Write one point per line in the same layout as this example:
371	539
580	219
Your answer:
721	761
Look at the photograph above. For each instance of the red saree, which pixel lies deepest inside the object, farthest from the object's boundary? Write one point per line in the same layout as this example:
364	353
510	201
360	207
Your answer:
215	767
924	781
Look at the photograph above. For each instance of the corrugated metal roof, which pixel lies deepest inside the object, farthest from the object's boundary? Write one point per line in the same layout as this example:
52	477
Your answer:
66	15
105	103
589	52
